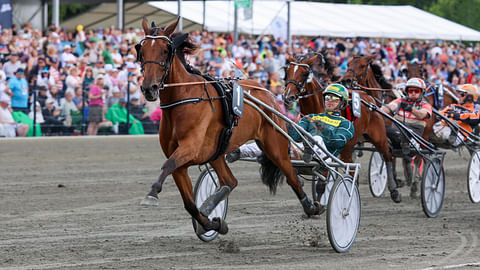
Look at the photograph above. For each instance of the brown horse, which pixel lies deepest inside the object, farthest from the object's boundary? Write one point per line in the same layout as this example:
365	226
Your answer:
363	74
193	120
299	86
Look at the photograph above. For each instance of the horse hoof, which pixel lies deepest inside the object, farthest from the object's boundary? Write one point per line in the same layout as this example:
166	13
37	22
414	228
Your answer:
223	227
321	208
149	201
199	230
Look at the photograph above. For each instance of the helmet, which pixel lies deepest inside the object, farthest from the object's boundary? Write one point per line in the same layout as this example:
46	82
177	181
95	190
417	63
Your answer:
415	82
79	27
470	89
338	90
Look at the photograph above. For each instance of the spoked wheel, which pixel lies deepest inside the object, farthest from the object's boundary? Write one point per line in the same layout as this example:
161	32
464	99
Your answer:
343	214
474	177
433	188
377	174
207	184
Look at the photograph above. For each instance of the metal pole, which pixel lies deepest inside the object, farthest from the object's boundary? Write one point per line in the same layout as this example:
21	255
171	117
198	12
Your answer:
45	15
235	23
56	12
120	14
289	36
179	13
128	104
204	14
83	112
35	92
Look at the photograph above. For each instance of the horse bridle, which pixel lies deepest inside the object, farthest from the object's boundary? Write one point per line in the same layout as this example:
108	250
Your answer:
300	86
364	75
166	65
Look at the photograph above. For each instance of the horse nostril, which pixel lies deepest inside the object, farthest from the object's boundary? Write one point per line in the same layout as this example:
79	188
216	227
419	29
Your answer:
155	87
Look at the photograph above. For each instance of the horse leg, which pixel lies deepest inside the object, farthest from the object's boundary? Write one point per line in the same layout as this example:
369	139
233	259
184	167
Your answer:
184	185
227	184
277	152
179	158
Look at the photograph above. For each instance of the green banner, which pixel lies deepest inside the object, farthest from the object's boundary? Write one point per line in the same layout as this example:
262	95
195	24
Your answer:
242	3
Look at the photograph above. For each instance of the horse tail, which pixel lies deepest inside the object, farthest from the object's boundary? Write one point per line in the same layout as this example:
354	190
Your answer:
271	174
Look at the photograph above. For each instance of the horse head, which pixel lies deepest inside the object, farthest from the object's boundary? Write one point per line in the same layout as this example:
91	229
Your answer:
357	71
417	70
300	74
155	53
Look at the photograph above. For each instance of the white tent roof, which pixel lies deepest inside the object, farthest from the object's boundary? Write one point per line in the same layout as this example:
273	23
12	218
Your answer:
325	19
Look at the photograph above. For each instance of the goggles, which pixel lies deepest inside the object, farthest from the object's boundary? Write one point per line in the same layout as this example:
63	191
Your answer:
463	94
414	90
332	98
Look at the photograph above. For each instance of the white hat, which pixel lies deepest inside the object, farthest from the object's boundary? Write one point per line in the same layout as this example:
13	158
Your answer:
99	76
108	67
115	90
67	47
130	56
4	98
131	65
50	100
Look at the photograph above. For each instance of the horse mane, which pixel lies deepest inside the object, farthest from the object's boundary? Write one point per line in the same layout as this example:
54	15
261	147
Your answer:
187	47
377	71
330	66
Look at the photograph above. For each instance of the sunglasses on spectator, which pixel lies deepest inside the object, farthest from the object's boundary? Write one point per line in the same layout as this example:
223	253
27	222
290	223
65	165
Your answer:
332	98
414	90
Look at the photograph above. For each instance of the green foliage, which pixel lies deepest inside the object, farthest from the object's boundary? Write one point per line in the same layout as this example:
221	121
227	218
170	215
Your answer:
463	12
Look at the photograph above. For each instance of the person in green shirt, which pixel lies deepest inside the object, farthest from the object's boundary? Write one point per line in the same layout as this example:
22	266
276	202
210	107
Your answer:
329	129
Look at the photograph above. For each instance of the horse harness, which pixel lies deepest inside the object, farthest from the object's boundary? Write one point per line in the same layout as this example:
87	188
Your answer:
364	75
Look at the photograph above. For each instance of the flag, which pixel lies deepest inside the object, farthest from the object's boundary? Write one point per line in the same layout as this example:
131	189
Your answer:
279	28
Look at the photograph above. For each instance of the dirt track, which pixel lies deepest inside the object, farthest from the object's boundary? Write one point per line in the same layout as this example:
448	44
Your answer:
73	203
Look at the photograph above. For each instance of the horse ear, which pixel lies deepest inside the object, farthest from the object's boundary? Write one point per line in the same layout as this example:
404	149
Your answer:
171	28
146	29
371	57
289	58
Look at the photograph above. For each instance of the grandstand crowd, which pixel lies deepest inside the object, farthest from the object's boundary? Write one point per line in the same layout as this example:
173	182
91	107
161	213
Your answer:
95	71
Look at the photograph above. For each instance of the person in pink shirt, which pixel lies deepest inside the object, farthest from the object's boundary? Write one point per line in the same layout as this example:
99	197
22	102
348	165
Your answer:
156	116
95	108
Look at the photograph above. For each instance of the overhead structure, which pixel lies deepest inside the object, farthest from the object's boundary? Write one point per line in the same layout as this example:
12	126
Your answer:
306	19
326	19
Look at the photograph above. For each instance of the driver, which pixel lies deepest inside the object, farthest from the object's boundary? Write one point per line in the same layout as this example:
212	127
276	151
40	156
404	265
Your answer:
414	113
329	129
464	113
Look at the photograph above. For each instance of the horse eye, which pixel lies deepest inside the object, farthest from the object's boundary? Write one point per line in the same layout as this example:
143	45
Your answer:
165	51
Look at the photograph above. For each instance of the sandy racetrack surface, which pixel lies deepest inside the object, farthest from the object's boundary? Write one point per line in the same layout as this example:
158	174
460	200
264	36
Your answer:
73	203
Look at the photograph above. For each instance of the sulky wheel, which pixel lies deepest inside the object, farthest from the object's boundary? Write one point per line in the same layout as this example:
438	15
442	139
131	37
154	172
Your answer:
343	214
474	177
377	174
207	184
433	187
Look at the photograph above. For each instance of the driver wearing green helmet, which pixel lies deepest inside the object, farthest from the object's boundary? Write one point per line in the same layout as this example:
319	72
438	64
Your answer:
329	128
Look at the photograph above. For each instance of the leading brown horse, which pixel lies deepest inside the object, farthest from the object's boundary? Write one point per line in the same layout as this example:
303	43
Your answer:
305	80
193	120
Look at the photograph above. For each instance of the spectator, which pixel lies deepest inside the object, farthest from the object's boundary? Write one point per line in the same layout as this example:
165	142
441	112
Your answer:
12	66
53	122
67	106
95	108
140	113
19	87
6	118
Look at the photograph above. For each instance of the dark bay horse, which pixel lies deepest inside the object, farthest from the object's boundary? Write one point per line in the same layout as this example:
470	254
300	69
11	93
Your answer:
363	74
299	86
193	120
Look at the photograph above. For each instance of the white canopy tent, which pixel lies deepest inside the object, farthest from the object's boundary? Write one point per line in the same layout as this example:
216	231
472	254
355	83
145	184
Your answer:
324	19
